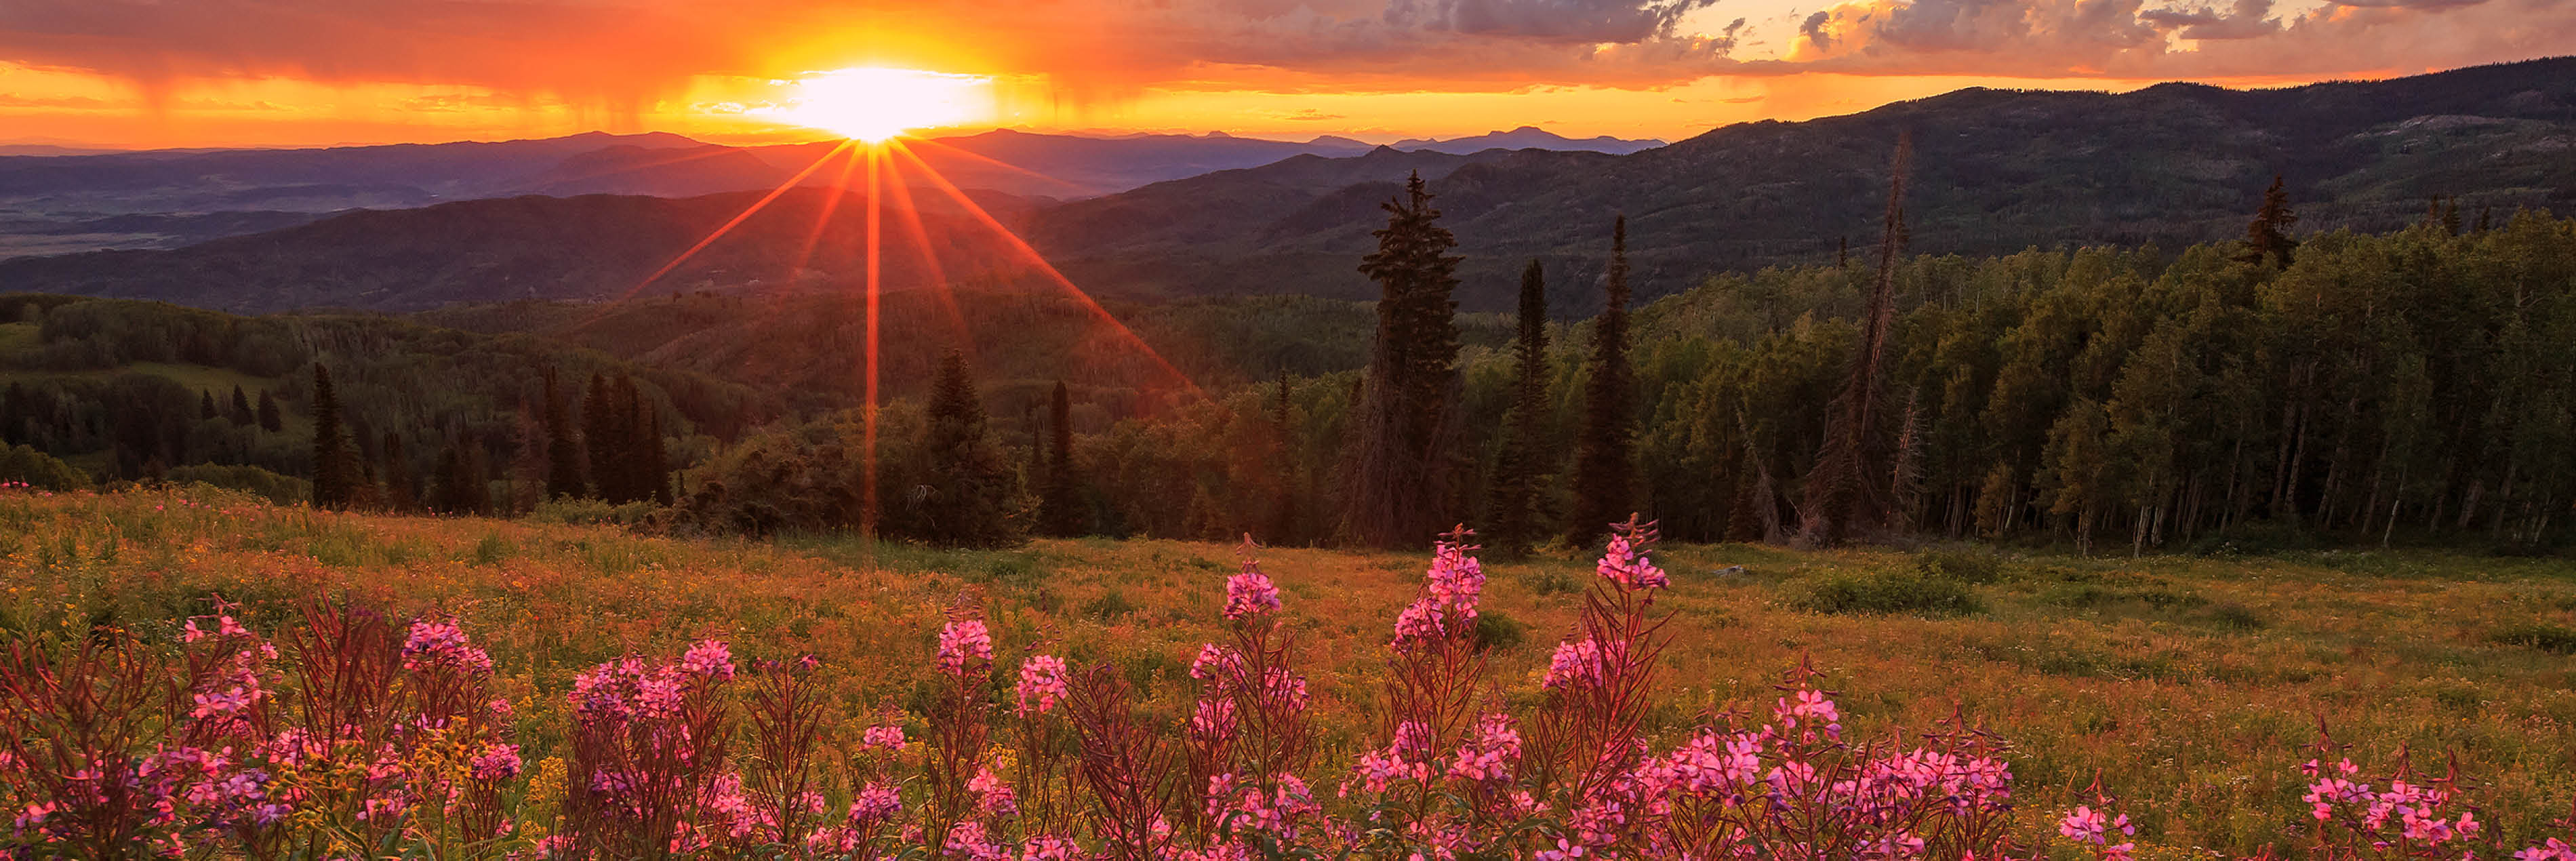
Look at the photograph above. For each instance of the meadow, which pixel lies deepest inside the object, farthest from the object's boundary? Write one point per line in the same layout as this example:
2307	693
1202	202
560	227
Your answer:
2191	688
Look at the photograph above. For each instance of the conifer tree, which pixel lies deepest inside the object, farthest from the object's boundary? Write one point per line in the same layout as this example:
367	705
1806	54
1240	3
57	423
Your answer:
1402	465
333	475
400	490
967	506
242	415
1604	461
461	488
270	419
563	453
602	438
1513	504
2267	236
205	405
1061	510
1283	507
657	463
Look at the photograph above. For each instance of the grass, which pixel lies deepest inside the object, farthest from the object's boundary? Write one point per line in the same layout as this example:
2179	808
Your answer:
2189	684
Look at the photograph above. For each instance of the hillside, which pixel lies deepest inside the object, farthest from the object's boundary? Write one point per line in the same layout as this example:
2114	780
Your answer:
589	247
1994	171
2188	686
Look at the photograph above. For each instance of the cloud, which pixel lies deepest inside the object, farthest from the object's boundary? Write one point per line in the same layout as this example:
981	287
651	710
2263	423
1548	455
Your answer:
1568	21
2250	19
625	55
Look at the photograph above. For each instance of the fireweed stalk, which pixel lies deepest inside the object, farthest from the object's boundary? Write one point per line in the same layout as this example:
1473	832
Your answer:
352	735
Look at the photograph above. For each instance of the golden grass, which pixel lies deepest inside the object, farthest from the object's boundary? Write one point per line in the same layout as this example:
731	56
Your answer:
2190	685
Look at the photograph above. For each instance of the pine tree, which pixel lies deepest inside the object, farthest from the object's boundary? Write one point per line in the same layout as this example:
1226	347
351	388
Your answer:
242	415
1402	465
657	459
1061	509
400	491
602	437
269	418
462	488
1283	466
2267	236
333	478
1513	503
967	505
563	453
1605	459
205	405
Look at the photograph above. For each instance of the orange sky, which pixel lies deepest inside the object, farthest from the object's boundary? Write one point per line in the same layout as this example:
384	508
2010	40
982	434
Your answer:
151	73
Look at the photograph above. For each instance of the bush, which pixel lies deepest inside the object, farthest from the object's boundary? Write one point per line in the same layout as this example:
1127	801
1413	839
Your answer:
1887	592
1977	567
2546	637
1498	631
592	512
279	489
40	470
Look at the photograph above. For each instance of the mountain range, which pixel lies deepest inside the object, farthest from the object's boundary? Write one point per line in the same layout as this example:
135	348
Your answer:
1991	171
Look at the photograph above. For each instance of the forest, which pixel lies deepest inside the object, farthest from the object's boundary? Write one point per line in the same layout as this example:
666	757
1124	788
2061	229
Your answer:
2334	388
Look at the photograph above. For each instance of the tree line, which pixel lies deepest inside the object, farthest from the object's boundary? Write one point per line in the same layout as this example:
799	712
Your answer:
2417	385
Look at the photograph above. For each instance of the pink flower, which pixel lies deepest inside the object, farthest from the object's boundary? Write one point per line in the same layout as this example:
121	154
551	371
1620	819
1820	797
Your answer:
1250	593
887	737
1577	664
1042	683
1624	561
993	796
964	644
2554	850
443	644
708	659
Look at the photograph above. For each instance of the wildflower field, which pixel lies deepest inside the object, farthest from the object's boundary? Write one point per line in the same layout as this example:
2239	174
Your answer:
199	673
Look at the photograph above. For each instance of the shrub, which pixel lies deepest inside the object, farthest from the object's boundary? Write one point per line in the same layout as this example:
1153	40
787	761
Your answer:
39	470
2538	635
1977	567
592	512
1887	592
279	489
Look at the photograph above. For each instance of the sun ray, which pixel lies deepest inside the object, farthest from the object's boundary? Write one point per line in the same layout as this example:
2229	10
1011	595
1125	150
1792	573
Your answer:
1039	261
938	283
737	221
1068	184
840	188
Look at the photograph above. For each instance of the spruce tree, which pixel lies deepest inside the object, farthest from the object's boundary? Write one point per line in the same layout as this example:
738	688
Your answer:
1061	510
657	464
1604	460
601	436
270	419
401	492
563	453
966	506
2267	236
1283	465
205	405
1513	515
1402	469
242	415
333	478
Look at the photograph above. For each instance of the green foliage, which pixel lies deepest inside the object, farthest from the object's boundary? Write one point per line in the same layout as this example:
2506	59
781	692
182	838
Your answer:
1962	565
2554	639
40	470
1403	460
1886	591
278	489
586	512
1604	458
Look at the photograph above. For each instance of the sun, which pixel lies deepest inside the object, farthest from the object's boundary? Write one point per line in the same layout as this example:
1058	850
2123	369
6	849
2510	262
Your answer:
872	104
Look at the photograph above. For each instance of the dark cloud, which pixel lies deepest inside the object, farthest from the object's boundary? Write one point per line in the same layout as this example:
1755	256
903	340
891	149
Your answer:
2250	19
1572	21
1813	29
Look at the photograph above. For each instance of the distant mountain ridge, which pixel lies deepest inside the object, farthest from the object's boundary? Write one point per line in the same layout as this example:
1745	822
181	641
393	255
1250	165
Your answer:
1993	171
1527	137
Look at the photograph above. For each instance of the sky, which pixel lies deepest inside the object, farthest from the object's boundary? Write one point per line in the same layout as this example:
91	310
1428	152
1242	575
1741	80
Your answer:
191	73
